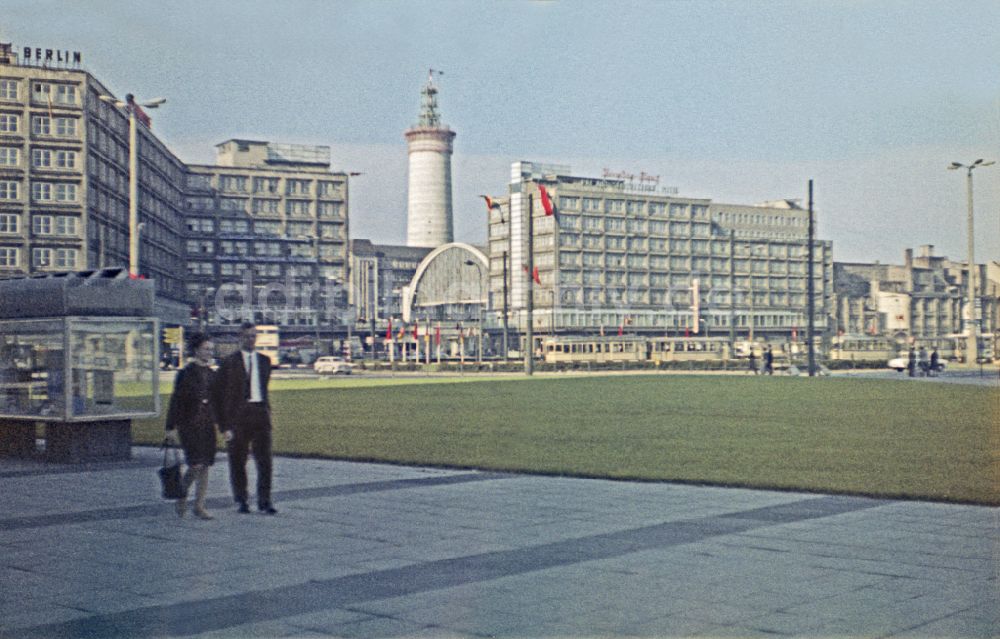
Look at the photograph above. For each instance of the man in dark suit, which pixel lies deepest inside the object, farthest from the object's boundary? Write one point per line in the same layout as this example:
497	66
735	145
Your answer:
244	414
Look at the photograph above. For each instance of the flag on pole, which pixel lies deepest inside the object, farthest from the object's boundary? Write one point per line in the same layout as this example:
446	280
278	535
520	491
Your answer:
388	331
621	330
416	334
491	204
547	205
437	335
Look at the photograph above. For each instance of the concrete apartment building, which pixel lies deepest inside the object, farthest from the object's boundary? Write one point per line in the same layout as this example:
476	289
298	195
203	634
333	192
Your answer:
268	238
622	253
64	172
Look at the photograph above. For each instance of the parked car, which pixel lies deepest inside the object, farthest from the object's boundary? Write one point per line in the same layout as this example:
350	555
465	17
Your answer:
332	366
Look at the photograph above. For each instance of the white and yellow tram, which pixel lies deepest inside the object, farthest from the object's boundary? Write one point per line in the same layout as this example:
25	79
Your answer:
594	349
688	349
862	348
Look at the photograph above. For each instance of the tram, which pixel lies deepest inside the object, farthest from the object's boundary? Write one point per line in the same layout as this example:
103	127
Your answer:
594	349
862	348
688	349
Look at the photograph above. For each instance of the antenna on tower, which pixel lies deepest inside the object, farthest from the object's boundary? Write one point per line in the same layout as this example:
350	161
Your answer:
429	116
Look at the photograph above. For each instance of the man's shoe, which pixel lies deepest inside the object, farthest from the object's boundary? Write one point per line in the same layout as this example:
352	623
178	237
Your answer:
243	509
268	509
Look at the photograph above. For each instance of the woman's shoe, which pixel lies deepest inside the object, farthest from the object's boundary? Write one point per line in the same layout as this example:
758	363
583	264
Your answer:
201	513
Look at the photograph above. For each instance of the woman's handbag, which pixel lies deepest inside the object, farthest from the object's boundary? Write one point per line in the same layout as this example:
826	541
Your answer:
170	475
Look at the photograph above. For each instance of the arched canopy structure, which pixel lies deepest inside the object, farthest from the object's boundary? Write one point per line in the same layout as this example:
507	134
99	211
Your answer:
451	283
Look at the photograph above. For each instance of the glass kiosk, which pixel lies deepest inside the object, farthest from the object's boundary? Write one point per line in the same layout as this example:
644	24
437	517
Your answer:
84	376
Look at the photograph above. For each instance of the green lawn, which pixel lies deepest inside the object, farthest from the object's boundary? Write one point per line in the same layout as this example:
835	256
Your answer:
889	438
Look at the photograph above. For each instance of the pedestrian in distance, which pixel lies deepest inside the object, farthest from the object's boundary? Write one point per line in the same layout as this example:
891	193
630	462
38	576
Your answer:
753	362
935	360
769	361
191	421
922	361
911	363
241	401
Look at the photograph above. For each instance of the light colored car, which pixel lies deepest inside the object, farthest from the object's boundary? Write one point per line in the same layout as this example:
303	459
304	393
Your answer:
332	366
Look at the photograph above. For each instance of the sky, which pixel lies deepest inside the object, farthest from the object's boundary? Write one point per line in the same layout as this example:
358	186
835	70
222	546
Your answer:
737	101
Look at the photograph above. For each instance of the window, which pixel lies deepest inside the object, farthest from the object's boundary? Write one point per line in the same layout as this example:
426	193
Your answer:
297	187
615	206
297	207
8	89
41	257
8	190
65	94
60	159
591	204
9	156
66	126
10	223
41	224
329	189
66	225
236	183
57	192
66	258
9	256
8	123
267	228
265	185
41	125
233	204
330	209
569	203
265	206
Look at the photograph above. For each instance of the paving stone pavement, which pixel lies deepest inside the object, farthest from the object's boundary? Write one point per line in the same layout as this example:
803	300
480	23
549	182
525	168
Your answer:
370	550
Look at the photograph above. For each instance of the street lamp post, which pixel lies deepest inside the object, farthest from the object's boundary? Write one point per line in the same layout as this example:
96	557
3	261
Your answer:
479	305
972	337
130	107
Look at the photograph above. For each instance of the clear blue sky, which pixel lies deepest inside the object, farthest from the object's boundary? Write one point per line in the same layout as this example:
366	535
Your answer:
737	101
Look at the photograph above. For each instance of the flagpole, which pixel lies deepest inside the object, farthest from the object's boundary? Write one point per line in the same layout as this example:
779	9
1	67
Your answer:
529	342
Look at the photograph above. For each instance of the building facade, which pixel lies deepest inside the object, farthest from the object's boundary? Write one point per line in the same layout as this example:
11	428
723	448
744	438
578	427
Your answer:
267	238
64	181
379	274
924	297
615	254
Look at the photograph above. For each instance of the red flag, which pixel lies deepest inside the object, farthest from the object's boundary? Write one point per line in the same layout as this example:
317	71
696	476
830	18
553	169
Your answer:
546	200
416	335
437	335
534	276
388	331
621	330
490	204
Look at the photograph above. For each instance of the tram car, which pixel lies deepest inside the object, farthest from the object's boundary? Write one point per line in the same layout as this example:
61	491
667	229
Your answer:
862	348
594	349
688	349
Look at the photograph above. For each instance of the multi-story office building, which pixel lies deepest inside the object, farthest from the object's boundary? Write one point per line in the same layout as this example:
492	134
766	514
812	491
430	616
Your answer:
268	237
618	253
64	175
379	273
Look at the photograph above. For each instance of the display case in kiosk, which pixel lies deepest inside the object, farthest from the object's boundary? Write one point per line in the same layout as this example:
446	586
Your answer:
79	352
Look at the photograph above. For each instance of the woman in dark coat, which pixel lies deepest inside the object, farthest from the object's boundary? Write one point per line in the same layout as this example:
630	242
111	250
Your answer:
191	420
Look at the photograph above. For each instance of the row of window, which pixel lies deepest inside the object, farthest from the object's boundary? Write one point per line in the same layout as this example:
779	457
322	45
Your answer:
59	258
633	207
63	159
41	92
762	219
67	225
40	191
238	269
293	186
259	206
60	126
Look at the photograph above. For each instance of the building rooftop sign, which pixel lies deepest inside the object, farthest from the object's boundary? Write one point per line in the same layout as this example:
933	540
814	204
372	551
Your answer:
298	153
37	56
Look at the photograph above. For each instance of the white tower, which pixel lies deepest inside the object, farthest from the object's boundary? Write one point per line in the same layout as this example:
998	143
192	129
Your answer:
428	204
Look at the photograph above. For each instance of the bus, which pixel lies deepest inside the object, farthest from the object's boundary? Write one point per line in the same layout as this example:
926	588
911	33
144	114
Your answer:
268	340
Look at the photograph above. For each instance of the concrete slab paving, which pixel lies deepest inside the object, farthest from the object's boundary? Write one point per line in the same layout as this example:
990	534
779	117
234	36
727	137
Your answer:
372	550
